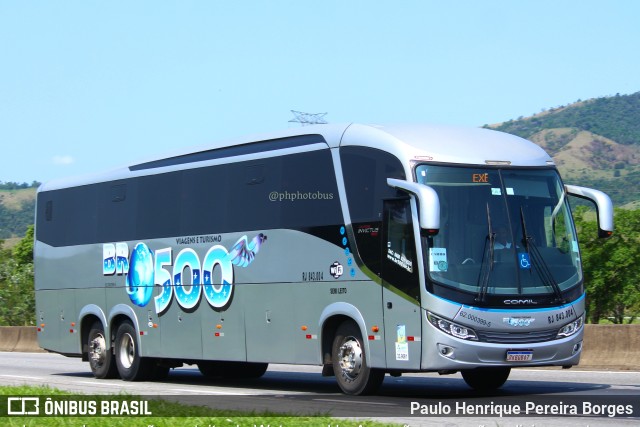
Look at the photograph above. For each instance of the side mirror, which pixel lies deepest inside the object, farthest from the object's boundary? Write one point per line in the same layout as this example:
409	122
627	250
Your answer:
428	203
604	207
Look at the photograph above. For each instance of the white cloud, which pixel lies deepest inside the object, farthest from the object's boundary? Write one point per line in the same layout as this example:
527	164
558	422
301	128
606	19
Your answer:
63	160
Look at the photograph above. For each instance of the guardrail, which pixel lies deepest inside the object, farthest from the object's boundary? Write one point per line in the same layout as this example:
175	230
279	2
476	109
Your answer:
605	346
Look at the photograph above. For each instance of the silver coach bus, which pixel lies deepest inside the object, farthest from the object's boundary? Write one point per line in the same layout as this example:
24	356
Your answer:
363	249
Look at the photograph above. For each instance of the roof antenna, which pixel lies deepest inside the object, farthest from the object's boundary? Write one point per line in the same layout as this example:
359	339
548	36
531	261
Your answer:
308	118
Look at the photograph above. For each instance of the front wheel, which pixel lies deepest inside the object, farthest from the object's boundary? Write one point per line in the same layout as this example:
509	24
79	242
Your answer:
101	360
131	366
485	379
350	364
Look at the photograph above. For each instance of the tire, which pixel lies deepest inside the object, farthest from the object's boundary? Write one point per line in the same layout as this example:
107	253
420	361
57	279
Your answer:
211	370
485	379
101	359
131	366
248	369
227	370
350	365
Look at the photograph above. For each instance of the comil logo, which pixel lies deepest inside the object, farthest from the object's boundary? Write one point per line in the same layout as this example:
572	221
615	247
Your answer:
519	301
23	406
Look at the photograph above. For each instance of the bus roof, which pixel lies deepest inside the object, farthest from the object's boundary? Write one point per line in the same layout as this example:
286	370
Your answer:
408	142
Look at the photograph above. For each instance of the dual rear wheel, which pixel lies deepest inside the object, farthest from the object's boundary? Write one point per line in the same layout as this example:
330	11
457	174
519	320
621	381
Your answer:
125	361
101	359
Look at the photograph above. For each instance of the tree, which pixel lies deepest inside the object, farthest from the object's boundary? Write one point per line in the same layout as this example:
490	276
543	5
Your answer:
23	251
17	296
611	273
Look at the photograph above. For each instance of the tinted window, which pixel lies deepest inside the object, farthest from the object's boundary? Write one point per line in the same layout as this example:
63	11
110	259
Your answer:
294	191
399	256
365	172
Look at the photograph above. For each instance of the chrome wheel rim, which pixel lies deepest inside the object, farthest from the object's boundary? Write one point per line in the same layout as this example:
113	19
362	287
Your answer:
127	351
98	351
350	358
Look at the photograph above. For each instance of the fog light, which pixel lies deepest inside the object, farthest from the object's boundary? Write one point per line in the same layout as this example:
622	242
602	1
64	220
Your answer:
577	347
446	351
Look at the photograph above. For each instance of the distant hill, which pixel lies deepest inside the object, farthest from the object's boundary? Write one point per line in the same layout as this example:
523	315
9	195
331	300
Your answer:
594	143
17	209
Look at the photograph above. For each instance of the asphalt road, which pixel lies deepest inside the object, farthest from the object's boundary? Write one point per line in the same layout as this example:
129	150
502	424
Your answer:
302	390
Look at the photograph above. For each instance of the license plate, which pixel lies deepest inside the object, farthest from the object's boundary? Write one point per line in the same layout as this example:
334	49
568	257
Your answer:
519	355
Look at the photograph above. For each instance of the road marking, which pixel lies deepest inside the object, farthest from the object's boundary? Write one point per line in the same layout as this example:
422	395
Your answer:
357	401
101	383
220	393
25	377
576	371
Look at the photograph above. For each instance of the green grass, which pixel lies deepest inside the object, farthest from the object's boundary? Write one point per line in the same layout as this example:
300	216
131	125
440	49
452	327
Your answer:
180	415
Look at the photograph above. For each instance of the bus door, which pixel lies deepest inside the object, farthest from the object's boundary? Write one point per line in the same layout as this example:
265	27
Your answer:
401	286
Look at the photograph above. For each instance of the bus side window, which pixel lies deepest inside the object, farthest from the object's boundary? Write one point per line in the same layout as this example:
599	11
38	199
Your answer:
365	178
399	267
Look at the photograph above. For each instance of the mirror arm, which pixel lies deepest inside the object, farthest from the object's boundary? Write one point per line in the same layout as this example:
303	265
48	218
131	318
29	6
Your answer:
604	207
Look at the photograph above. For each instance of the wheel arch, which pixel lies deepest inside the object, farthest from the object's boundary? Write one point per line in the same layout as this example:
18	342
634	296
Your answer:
332	316
86	318
122	313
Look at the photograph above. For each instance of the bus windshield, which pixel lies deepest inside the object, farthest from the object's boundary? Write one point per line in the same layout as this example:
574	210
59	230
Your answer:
502	232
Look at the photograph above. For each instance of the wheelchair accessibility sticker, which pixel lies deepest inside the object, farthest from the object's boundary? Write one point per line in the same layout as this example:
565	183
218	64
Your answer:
525	264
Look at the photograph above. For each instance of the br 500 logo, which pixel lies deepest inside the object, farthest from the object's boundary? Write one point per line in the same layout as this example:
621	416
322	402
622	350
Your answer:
145	269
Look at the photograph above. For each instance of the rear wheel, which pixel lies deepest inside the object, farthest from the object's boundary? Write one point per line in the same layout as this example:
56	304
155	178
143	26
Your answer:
486	378
131	366
211	369
247	369
350	364
101	359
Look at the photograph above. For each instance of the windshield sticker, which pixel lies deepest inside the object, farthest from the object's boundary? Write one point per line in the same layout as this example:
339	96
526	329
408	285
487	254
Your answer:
496	192
438	259
525	264
574	246
402	346
510	191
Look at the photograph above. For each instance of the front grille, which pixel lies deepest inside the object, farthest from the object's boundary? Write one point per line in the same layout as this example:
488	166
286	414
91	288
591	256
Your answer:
513	337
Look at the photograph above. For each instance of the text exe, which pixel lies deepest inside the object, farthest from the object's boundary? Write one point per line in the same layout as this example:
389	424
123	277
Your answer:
480	177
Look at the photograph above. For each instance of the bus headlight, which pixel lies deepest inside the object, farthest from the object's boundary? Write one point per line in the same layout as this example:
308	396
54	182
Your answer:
452	328
571	328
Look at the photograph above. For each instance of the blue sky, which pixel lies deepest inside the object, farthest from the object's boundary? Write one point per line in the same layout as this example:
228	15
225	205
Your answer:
92	85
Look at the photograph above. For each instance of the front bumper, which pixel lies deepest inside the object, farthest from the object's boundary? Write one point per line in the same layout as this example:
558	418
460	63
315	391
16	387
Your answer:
445	352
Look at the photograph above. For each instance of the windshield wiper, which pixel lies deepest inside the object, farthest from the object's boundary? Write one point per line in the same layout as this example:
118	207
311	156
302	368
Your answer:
490	240
538	261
